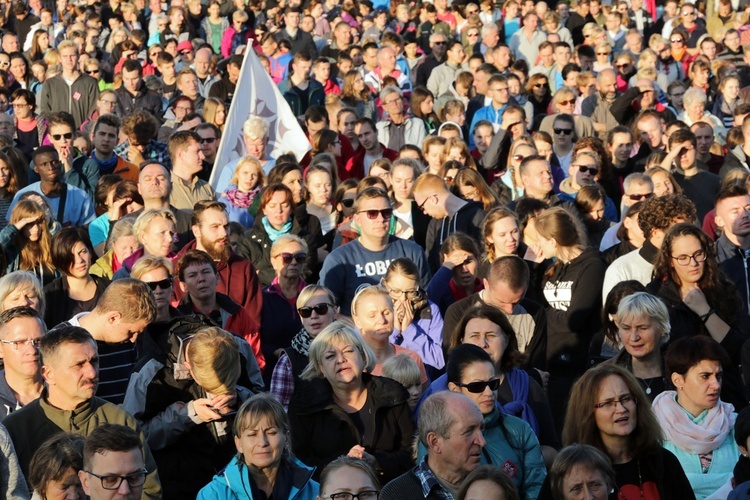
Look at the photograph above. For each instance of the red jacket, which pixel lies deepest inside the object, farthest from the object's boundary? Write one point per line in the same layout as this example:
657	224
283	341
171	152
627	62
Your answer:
237	279
355	167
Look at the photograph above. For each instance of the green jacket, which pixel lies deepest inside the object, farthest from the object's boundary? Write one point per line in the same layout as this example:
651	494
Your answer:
103	265
38	421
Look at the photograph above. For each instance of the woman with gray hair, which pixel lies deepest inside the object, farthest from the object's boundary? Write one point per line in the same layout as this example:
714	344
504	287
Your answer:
120	245
21	289
694	102
643	326
579	468
346	411
264	466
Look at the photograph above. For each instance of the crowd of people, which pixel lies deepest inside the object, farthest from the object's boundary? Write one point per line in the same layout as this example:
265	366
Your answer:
513	263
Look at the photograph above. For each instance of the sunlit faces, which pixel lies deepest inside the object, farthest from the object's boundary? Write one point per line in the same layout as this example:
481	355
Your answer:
293	180
248	176
434	156
256	147
402	181
622	146
617	417
212	233
22	296
278	209
582	483
320	187
478	372
81	261
639	335
262	445
537	179
162	295
347	479
72	374
733	215
153	182
200	281
315	323
158	237
689	248
373	228
342	364
464	274
505	237
699	389
662	183
21	359
374	317
119	463
483	333
67	488
293	268
704	139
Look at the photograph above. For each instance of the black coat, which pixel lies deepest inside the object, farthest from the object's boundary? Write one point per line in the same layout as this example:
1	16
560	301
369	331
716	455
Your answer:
322	431
59	308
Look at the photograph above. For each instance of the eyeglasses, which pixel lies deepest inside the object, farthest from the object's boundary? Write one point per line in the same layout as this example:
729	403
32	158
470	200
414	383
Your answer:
17	344
676	40
438	43
639	197
479	387
66	135
320	310
208	140
163	284
622	66
397	294
348	202
421	205
563	131
472	34
20	105
448	179
388	103
373	214
566	103
611	405
185	52
286	258
586	168
691	13
108	103
113	482
362	495
698	257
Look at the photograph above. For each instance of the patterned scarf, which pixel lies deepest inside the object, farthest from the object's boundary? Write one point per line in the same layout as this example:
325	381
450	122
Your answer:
241	200
301	342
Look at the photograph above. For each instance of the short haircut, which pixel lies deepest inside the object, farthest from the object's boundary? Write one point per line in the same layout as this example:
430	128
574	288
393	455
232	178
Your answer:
436	415
181	140
582	455
130	297
144	220
202	206
526	163
369	193
52	461
337	332
19	312
255	128
214	357
285	239
109	437
194	258
61	118
61	335
644	305
133	65
687	352
148	264
661	212
108	120
403	369
733	190
429	182
637	178
680	136
140	125
510	270
63	243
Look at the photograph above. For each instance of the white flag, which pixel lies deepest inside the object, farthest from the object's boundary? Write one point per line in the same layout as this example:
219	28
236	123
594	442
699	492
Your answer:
256	94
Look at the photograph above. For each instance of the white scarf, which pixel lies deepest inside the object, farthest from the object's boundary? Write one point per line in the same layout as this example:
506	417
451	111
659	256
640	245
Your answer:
679	427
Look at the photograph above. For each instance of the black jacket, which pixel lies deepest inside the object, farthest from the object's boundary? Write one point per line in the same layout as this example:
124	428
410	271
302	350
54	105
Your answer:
223	90
322	431
59	308
144	100
468	220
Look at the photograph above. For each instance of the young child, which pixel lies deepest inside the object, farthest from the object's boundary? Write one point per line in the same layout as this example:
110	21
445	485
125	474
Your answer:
405	371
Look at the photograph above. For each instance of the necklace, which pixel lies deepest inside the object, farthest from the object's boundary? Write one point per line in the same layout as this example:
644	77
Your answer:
621	495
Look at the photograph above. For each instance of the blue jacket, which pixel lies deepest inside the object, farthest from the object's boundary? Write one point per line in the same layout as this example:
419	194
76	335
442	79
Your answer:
234	483
485	113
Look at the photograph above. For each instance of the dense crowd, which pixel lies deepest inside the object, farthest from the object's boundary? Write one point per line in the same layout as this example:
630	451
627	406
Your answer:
512	264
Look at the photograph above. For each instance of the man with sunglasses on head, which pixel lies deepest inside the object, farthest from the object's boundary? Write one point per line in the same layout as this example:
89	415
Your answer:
238	278
450	214
124	310
365	260
71	206
113	464
656	217
21	381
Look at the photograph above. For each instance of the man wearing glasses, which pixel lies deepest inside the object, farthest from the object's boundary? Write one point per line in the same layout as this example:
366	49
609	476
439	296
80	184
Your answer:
70	368
365	260
113	464
21	382
690	25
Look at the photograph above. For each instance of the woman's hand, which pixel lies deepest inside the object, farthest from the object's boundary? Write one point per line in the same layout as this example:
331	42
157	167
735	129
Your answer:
695	299
358	451
25	222
534	253
408	317
455	259
117	209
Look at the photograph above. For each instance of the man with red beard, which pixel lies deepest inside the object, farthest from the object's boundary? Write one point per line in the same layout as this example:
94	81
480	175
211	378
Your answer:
237	276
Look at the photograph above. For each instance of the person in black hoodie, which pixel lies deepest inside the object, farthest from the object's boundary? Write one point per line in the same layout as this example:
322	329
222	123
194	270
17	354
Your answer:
450	214
572	290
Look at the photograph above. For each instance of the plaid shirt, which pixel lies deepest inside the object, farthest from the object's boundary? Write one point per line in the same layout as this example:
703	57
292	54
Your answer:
282	381
430	483
156	151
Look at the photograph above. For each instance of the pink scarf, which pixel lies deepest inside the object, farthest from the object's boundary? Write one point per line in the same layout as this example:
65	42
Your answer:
695	438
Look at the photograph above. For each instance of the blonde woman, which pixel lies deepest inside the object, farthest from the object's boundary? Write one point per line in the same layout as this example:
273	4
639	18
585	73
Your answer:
243	196
214	111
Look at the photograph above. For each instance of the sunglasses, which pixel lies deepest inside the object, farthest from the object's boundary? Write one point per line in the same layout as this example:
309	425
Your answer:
566	103
92	71
603	53
163	284
621	66
691	13
676	40
373	214
539	85
586	168
563	131
320	310
479	387
286	258
348	202
448	179
208	140
185	52
639	197
66	135
438	43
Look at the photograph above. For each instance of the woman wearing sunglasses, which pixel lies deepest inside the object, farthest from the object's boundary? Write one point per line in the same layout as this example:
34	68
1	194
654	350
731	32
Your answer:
316	309
511	442
279	320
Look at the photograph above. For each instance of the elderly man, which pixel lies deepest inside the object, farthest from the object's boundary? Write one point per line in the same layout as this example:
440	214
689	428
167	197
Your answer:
155	187
525	42
70	367
450	427
255	138
490	39
597	105
387	67
399	129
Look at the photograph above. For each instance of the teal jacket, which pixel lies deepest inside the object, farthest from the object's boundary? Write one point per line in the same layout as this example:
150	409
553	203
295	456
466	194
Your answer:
512	446
234	483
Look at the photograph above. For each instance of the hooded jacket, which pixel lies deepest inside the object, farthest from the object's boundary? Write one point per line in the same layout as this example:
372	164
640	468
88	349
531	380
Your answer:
233	483
144	100
78	99
322	431
468	220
